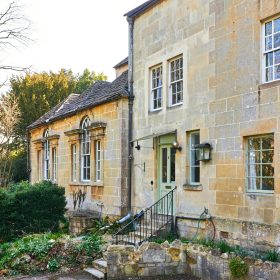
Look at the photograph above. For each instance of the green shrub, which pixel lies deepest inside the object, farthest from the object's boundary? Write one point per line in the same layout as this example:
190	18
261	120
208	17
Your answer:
39	253
224	247
26	208
53	265
36	246
238	268
91	245
273	256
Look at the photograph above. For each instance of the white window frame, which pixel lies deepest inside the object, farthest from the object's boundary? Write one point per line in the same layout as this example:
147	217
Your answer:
192	151
272	50
54	163
249	178
39	160
157	89
181	80
84	156
98	161
74	162
46	156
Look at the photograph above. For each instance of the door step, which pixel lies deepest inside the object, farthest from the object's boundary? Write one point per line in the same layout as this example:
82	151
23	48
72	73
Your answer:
100	265
95	273
99	269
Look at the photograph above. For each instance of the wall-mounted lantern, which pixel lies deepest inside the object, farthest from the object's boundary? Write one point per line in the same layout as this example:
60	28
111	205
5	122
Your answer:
203	151
176	146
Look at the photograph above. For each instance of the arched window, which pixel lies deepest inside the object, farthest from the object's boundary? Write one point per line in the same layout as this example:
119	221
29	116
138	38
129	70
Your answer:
46	156
85	154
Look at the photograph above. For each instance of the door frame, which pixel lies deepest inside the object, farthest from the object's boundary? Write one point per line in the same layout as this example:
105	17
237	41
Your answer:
163	141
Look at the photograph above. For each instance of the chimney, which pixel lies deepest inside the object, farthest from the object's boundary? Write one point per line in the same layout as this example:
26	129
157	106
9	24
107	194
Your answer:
121	67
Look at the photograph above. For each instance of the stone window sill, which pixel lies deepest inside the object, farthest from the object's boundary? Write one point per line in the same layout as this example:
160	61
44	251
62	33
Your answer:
175	106
269	85
154	112
255	194
87	184
190	187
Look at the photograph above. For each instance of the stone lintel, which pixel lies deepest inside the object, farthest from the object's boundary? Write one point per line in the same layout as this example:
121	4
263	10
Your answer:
73	132
96	125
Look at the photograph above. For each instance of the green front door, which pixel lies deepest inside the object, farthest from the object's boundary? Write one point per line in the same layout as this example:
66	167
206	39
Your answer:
166	168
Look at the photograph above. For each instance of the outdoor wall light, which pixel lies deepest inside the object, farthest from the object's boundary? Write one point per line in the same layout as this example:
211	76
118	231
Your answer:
203	151
176	146
137	147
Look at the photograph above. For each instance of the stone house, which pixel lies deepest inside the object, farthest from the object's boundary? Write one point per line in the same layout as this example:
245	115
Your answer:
81	144
201	73
208	72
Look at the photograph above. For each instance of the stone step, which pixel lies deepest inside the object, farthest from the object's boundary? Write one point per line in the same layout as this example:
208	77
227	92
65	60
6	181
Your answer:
95	272
101	265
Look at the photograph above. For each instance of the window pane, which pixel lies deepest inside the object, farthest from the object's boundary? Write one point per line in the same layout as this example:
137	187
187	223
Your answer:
254	170
268	43
267	143
254	183
269	74
254	143
267	170
276	24
268	28
269	58
267	156
164	165
277	40
268	184
172	163
174	100
276	58
254	157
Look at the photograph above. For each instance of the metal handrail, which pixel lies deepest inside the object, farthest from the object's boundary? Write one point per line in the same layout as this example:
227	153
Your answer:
148	222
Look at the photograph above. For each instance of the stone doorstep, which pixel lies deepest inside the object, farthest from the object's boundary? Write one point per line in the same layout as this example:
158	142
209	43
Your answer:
95	273
101	265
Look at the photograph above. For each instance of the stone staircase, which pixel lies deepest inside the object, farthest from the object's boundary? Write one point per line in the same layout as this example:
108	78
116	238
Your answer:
98	269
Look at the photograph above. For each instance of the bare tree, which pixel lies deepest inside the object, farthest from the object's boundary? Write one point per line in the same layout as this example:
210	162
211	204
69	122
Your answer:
14	28
9	117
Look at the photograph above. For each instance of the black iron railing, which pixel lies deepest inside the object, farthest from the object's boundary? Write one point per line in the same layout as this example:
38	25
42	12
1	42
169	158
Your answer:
148	222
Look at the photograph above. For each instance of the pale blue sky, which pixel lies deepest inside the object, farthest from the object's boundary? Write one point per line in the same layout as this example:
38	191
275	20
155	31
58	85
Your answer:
74	34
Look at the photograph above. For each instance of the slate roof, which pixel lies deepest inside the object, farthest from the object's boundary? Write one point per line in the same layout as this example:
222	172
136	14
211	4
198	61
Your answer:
142	8
121	63
101	92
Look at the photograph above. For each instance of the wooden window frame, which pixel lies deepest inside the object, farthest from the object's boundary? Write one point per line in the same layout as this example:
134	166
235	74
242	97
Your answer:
249	189
192	151
176	82
273	50
157	89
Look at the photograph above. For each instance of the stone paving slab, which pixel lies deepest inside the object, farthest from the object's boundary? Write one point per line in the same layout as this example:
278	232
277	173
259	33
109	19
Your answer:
86	276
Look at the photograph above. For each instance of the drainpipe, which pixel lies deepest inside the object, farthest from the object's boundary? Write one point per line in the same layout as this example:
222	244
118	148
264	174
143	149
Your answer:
130	109
28	156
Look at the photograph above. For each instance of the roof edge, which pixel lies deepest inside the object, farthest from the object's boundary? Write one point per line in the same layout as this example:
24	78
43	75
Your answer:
142	8
115	98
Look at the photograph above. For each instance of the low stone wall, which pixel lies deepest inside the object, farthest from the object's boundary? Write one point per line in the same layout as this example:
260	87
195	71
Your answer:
152	259
78	221
235	232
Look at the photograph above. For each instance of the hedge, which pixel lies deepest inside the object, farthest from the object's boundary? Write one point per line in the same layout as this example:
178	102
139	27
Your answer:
26	208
